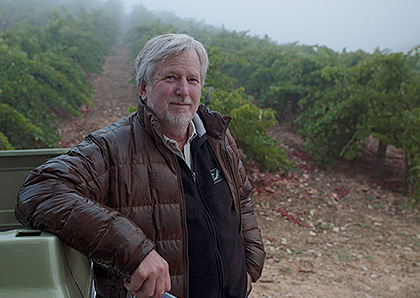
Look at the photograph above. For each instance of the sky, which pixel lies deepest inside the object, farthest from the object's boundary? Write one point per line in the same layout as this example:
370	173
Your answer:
337	24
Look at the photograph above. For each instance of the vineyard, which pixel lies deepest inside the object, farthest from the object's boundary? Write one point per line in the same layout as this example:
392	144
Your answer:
336	101
331	140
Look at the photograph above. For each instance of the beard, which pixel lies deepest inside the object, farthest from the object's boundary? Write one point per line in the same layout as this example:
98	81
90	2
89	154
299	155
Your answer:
168	118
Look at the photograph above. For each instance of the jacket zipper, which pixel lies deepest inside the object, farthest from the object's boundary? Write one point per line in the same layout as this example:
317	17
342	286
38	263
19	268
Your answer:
214	237
213	232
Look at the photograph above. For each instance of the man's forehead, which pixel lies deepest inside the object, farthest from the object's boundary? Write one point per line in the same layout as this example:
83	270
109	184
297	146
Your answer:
190	63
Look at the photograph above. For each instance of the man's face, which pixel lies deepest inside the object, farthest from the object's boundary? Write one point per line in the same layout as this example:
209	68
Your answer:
174	93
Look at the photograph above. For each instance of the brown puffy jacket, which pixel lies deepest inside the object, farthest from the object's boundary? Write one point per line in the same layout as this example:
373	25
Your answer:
117	195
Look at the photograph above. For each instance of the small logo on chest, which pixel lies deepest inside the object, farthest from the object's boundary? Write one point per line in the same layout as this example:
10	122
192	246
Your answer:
216	175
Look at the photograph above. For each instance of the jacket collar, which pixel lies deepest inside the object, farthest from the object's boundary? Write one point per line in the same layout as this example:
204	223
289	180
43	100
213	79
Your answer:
214	123
146	117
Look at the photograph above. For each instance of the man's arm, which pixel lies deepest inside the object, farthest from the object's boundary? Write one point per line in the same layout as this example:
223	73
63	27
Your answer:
64	196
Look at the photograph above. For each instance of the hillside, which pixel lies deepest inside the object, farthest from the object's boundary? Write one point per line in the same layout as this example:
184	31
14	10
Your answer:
328	232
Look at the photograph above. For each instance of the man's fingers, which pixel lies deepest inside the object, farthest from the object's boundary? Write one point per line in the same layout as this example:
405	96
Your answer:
154	287
160	288
151	278
147	289
137	280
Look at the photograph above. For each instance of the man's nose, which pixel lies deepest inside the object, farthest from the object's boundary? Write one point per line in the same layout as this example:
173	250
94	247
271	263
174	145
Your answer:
182	88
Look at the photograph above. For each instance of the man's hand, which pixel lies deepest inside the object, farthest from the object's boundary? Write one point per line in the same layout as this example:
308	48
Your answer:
151	278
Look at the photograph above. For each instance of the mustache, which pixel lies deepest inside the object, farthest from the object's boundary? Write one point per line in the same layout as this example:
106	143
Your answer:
176	99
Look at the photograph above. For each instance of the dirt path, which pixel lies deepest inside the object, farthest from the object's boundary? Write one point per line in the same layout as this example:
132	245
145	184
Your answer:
112	96
328	233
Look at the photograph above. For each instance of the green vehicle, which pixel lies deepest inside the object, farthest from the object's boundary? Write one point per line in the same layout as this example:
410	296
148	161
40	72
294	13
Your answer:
34	263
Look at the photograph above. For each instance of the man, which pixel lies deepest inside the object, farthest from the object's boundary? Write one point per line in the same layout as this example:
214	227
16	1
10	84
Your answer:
158	200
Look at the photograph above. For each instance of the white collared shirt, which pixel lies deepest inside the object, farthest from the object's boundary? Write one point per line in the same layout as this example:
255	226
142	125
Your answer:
173	145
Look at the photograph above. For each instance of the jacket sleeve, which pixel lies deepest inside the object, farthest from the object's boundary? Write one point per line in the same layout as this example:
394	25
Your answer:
66	196
253	244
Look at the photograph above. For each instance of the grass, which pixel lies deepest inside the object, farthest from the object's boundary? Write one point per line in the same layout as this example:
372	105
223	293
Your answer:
285	270
367	254
344	255
361	222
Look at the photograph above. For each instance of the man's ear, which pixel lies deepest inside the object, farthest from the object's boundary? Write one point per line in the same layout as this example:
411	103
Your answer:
143	90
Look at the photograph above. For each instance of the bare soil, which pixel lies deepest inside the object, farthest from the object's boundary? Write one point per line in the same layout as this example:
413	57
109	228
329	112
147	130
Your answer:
330	232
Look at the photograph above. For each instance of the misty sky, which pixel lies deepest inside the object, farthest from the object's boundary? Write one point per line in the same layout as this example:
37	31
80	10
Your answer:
338	24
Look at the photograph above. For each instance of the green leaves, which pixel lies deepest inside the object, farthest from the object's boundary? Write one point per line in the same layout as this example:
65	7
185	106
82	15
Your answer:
249	127
380	97
45	74
16	129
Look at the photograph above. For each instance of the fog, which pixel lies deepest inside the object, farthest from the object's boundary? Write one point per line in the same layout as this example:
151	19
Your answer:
357	24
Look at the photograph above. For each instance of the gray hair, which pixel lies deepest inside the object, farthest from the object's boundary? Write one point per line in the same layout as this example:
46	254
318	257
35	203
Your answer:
164	46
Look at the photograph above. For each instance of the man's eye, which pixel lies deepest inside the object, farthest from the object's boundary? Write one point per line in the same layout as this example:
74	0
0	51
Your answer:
170	77
193	80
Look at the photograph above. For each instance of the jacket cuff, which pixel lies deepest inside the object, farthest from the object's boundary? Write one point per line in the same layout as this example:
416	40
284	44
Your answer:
135	261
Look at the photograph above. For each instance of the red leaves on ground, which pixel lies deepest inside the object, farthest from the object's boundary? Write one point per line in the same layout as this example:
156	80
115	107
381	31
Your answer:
270	189
304	160
333	195
341	191
291	218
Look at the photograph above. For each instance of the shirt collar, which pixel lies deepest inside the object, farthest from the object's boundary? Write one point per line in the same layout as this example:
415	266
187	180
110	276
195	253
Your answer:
172	144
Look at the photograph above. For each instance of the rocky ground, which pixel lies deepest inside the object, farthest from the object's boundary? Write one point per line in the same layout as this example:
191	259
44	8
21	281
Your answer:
328	232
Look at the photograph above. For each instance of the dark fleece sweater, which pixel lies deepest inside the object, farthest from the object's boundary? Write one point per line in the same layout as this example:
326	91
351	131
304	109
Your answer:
216	257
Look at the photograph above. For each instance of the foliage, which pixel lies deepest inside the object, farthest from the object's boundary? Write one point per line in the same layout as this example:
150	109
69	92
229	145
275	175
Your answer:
45	73
296	77
350	59
215	77
4	143
380	97
36	12
16	129
249	127
84	39
37	92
